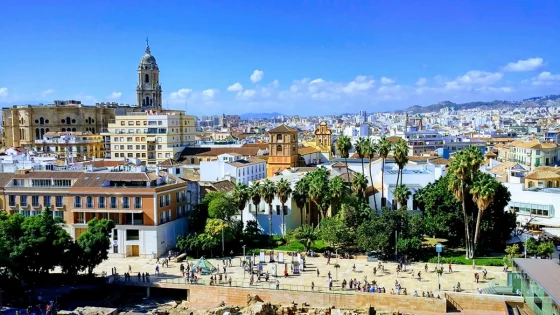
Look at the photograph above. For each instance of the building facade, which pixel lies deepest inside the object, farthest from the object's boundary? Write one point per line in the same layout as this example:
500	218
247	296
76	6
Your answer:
233	167
530	153
151	137
148	90
23	125
148	209
70	145
282	148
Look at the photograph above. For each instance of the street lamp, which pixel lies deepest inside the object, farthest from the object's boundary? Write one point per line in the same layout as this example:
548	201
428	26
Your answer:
438	250
223	241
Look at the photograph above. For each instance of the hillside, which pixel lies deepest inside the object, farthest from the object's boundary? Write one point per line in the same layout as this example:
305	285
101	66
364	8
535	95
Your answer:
548	100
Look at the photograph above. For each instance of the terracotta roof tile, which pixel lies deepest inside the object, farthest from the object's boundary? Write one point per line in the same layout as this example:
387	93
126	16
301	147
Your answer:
283	129
308	150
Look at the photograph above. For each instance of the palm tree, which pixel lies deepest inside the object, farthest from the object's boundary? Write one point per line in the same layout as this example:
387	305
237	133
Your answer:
300	195
359	185
268	191
384	147
343	145
336	190
255	195
401	157
483	191
306	234
283	191
319	189
241	196
371	151
462	172
361	149
401	194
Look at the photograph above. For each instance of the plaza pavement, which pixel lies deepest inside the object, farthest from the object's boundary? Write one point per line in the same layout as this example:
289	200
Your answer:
461	273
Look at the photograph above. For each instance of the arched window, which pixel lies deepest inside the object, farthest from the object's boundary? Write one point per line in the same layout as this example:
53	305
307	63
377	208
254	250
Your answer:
146	78
555	184
143	102
531	184
63	129
41	120
147	100
37	133
151	101
278	137
42	132
549	184
73	129
92	130
68	120
279	148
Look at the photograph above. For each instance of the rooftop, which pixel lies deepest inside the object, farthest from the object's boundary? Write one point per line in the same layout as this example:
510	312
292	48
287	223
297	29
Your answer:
544	271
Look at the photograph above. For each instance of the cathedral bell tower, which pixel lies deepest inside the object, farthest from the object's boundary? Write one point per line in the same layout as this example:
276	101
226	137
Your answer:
148	91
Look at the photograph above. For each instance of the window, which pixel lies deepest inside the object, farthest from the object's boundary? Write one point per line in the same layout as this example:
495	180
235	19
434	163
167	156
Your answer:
89	202
162	217
278	138
47	201
132	235
178	197
59	201
77	202
12	201
549	184
160	201
113	202
35	201
137	203
22	201
279	148
101	202
58	214
126	202
167	200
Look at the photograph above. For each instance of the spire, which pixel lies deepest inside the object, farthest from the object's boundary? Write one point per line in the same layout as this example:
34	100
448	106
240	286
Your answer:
147	46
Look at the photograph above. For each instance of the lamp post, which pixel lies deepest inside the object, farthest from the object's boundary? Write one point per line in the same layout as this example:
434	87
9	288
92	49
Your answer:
223	241
438	250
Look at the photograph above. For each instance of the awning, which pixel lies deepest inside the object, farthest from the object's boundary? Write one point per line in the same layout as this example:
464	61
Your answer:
550	222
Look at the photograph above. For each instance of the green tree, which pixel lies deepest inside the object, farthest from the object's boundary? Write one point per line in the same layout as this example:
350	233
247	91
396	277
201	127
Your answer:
207	242
222	207
401	157
384	147
401	194
240	195
373	235
252	230
361	149
512	251
319	189
189	243
532	246
371	151
306	235
545	249
95	242
268	191
333	231
359	185
409	246
283	191
343	146
255	195
301	197
337	189
483	191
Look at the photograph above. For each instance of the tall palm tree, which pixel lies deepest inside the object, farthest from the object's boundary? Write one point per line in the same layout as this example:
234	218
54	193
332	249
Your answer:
371	151
483	192
336	190
343	145
283	191
255	195
401	157
361	149
384	147
401	194
301	196
319	189
462	171
359	185
268	192
241	196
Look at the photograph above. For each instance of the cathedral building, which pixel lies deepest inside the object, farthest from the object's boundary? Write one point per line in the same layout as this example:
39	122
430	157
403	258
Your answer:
148	91
283	149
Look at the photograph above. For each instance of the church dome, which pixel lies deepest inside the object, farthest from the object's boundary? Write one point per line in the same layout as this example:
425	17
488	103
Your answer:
148	61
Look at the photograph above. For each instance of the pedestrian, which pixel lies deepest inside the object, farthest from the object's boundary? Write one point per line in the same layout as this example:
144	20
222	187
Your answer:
476	276
419	276
450	269
312	286
143	277
157	269
317	272
129	268
139	277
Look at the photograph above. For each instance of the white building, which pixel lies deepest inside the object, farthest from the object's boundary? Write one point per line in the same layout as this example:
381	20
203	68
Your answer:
234	167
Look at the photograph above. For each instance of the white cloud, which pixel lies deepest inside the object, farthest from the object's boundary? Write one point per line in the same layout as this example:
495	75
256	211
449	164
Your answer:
209	94
236	87
359	84
180	96
257	76
502	89
421	82
275	84
385	80
115	95
530	64
473	79
47	92
546	78
246	94
3	92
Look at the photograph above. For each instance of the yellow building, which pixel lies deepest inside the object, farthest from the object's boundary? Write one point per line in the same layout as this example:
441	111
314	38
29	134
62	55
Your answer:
282	148
151	136
530	153
322	141
22	125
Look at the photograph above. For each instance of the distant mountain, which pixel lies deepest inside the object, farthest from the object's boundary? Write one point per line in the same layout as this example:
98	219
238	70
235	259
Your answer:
548	100
260	115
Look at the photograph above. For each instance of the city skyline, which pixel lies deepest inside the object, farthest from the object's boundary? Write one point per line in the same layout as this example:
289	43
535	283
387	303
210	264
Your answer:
294	59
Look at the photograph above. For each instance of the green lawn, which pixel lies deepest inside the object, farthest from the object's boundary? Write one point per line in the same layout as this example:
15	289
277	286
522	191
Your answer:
459	259
318	246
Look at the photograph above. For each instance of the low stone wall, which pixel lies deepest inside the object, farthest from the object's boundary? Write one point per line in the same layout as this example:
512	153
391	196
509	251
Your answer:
238	296
484	302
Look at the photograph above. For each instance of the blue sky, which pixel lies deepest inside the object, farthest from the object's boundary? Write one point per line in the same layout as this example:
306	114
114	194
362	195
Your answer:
294	57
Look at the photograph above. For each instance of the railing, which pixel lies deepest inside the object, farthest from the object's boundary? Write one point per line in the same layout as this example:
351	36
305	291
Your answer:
450	300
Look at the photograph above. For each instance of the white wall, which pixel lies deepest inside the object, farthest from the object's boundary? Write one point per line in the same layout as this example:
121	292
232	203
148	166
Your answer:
211	171
292	218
